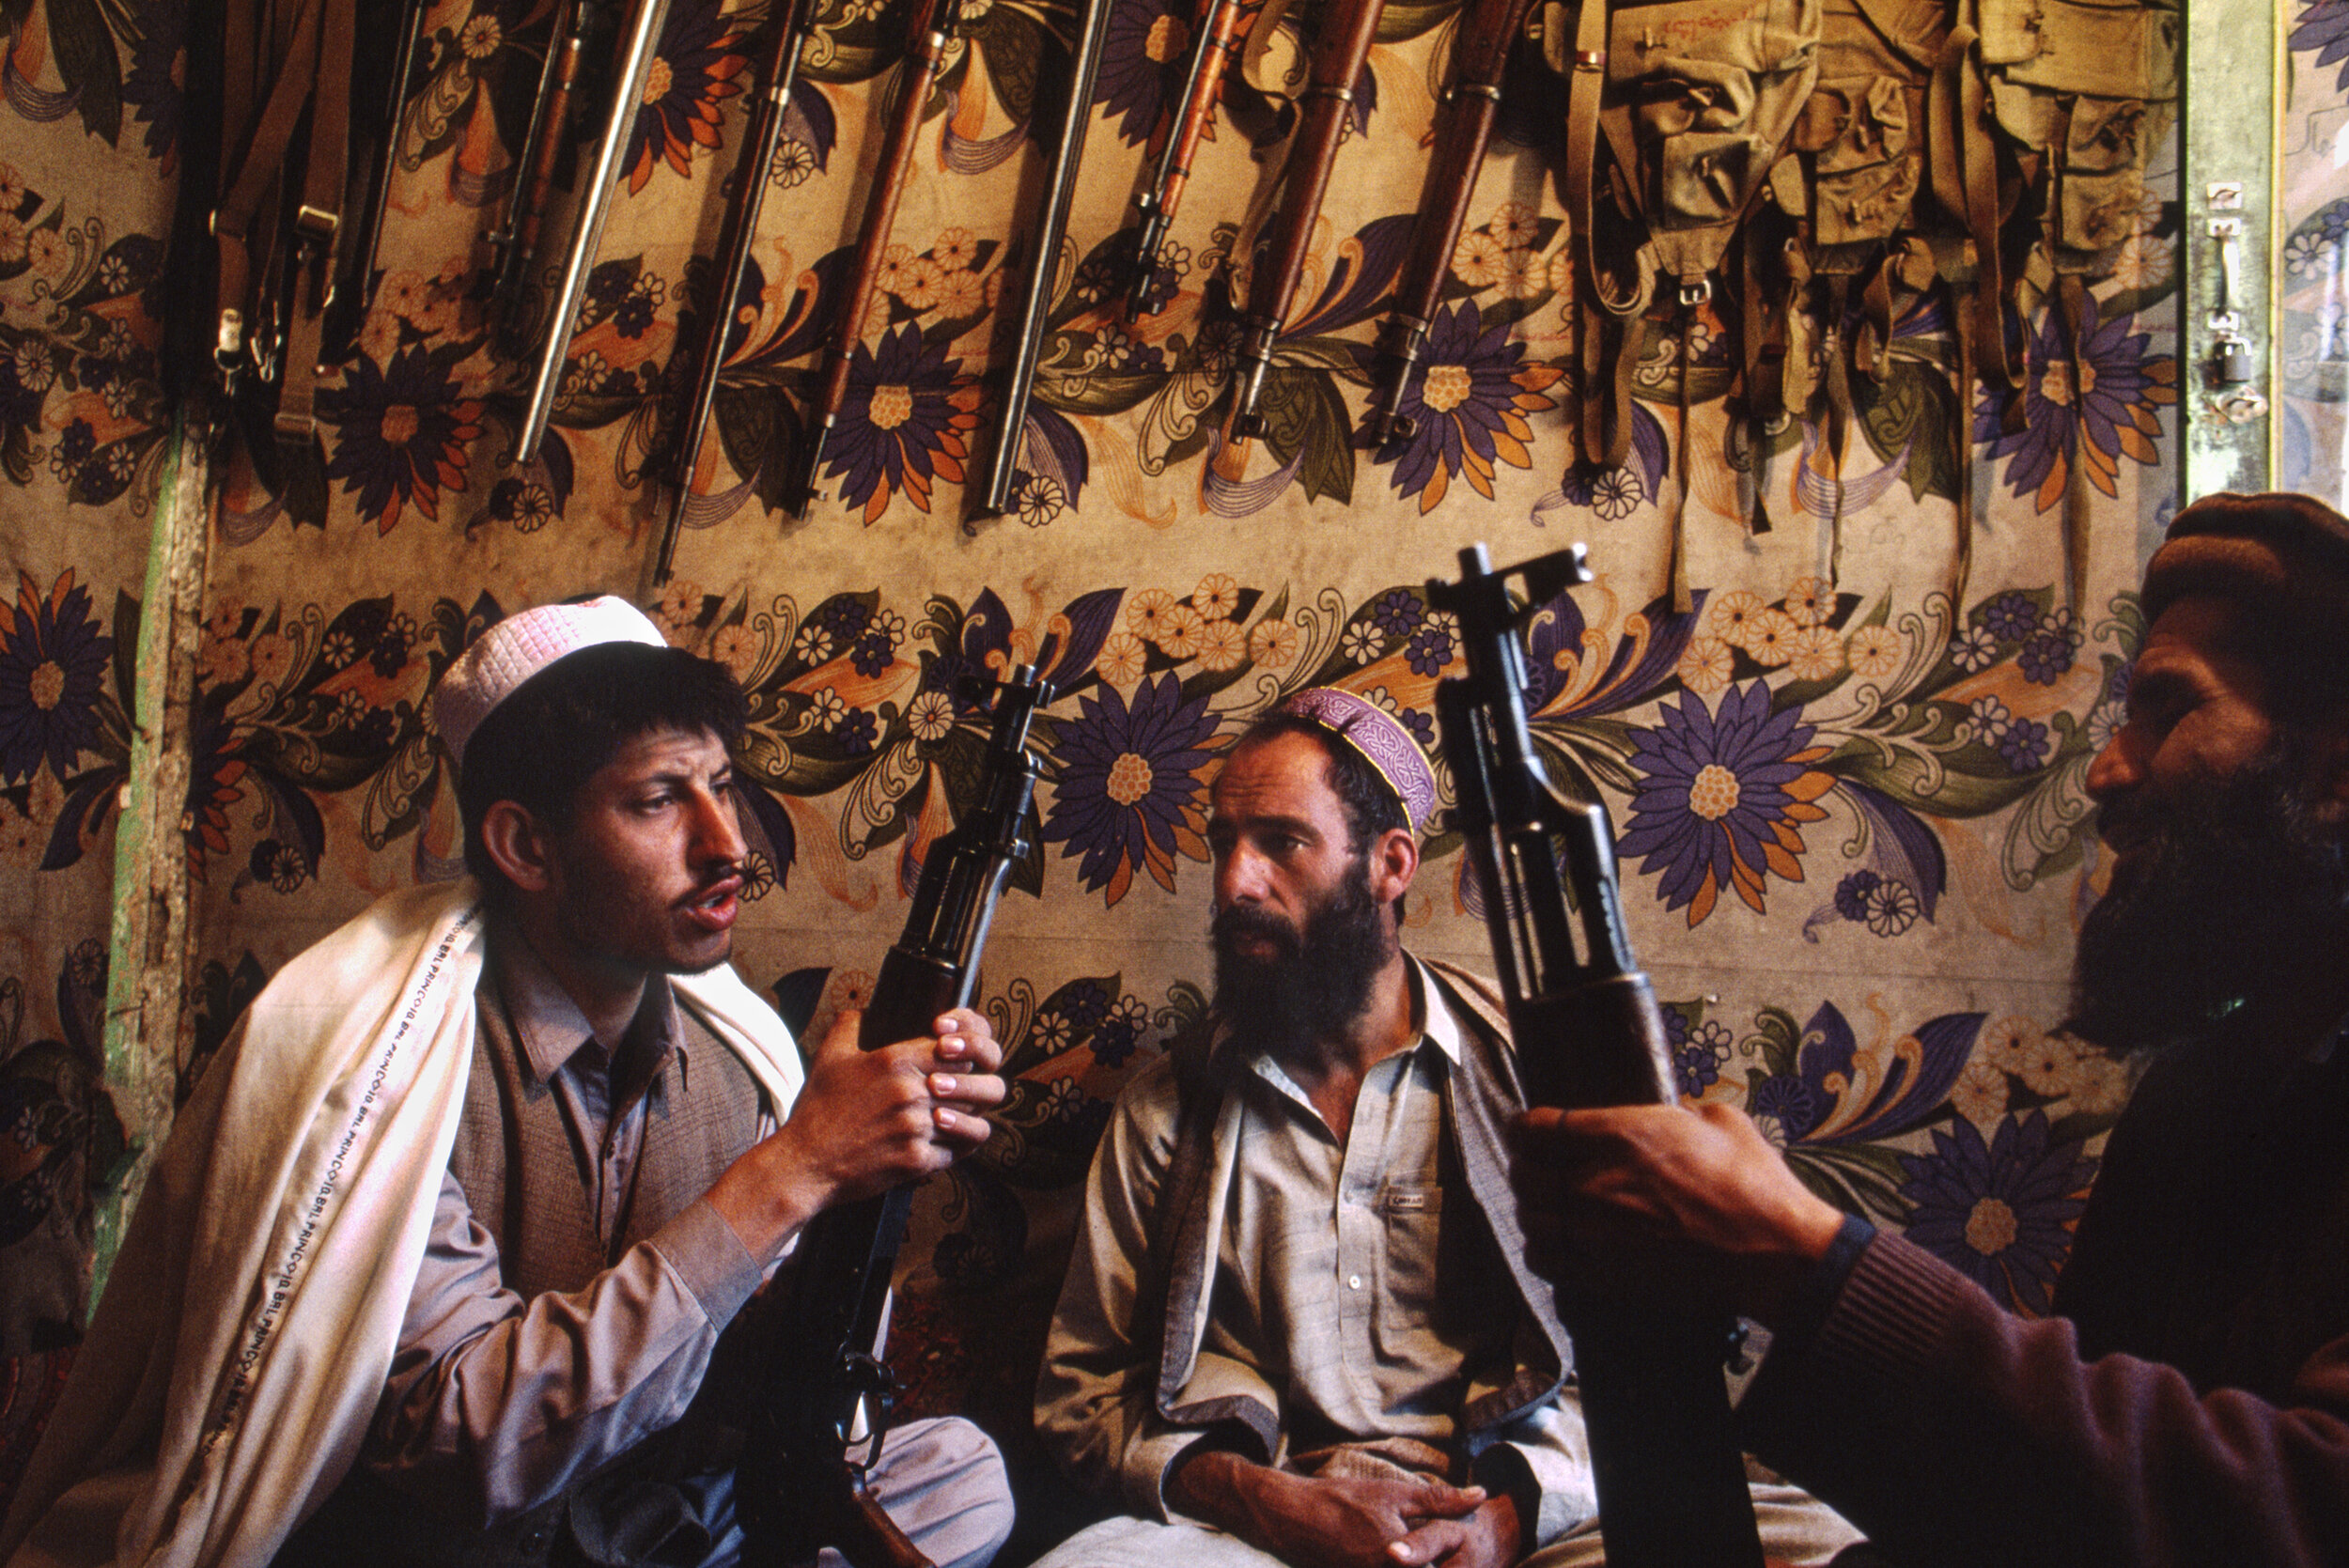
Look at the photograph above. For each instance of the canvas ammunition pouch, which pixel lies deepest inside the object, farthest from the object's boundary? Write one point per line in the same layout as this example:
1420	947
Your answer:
2092	86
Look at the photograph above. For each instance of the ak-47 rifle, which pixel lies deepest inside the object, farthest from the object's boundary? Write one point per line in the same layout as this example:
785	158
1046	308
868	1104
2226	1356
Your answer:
516	240
1464	125
827	1390
929	28
1341	43
1051	229
594	205
733	260
1672	1485
1213	46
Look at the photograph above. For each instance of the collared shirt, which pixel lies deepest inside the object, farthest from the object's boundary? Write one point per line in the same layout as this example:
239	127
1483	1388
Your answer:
496	1401
1328	1279
589	1080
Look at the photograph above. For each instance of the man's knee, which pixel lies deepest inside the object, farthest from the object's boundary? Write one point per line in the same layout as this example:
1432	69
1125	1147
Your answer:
943	1481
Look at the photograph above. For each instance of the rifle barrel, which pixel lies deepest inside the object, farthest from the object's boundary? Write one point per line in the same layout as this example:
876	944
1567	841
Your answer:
1051	230
733	262
1340	49
926	50
619	123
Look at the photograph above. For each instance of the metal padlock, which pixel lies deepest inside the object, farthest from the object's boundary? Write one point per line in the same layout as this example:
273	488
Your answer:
2233	364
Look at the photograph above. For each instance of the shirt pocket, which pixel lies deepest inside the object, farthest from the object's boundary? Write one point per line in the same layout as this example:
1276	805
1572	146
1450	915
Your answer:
1410	1215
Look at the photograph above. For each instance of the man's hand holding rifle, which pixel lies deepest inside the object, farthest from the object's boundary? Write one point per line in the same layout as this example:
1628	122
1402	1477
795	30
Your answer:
1671	1483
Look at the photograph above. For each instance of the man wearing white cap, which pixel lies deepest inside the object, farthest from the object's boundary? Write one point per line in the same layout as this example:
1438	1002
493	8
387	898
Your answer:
437	1261
1298	1326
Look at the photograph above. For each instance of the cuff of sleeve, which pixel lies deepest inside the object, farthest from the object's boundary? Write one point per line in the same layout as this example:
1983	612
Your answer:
1864	1356
1889	1312
1822	1286
711	1260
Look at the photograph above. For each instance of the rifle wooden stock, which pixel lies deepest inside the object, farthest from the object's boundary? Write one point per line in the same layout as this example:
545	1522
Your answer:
732	261
827	1388
1214	45
1464	125
927	36
619	121
1671	1483
516	241
1341	46
1051	229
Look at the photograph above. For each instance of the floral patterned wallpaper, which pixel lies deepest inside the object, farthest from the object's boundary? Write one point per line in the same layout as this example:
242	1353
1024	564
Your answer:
2314	224
1854	835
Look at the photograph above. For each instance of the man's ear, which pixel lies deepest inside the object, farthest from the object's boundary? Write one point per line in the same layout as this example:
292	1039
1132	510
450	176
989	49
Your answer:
1393	862
519	846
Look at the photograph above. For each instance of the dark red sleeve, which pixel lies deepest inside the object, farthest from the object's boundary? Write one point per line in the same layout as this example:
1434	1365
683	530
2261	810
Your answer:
1954	1432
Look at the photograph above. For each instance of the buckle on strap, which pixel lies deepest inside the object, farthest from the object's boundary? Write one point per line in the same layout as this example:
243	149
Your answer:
1590	59
316	226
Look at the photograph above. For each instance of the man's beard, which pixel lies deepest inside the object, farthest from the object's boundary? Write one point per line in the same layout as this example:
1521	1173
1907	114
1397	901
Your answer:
1316	982
2235	888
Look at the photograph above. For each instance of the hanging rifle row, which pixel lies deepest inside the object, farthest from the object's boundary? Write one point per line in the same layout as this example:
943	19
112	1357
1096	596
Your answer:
1788	165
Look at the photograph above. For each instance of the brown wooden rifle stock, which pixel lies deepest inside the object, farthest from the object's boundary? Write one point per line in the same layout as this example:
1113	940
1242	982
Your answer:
516	241
1341	43
930	27
1050	231
1672	1484
1464	126
733	260
1213	47
827	1397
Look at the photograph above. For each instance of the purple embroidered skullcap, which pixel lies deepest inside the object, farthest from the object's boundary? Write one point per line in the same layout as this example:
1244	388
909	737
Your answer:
518	647
1381	738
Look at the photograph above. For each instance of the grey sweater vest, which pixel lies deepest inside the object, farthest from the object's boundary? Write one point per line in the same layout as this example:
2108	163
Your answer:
513	1155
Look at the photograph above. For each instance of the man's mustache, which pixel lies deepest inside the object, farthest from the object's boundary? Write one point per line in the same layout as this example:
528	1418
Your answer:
1239	921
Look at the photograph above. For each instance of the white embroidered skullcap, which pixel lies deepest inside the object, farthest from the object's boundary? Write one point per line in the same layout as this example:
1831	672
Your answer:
518	647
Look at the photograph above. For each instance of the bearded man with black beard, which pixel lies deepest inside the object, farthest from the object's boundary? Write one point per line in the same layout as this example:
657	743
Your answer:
2188	1400
1298	1326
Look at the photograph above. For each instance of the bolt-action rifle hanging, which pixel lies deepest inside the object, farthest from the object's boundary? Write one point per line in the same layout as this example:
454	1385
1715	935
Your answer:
1050	233
828	1392
791	28
930	27
628	91
1464	125
354	283
515	242
1216	41
1341	40
1671	1483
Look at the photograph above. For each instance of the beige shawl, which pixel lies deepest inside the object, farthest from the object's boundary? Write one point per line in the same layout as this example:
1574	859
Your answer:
231	1369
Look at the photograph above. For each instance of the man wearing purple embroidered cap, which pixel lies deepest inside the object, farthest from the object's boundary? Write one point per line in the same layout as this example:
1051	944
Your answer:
2188	1402
1298	1326
473	1201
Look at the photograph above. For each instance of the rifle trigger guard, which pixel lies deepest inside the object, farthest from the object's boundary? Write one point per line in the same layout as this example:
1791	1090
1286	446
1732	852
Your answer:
1695	294
1344	95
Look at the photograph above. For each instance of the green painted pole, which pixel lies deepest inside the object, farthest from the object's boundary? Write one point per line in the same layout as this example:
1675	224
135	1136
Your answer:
149	935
